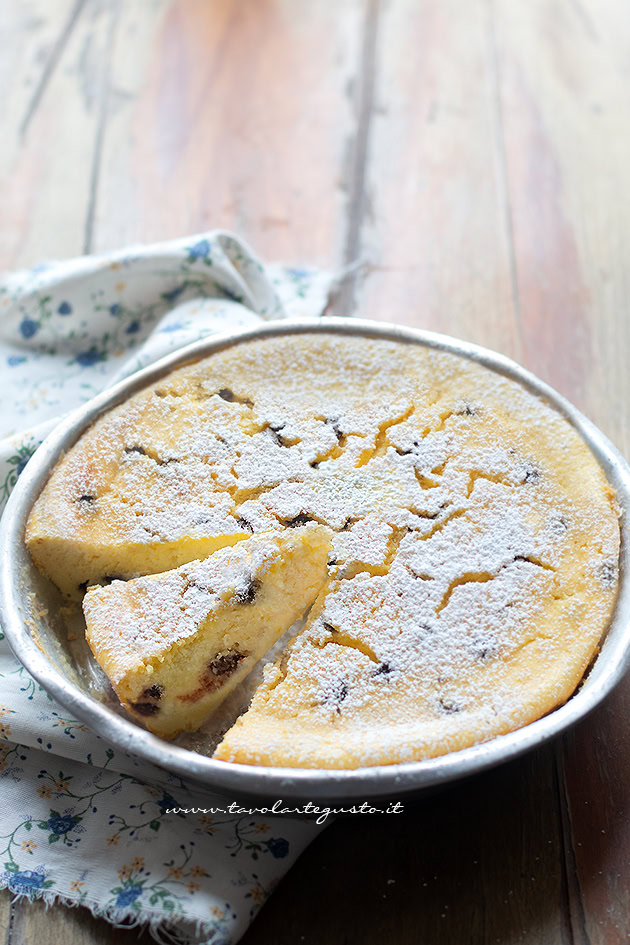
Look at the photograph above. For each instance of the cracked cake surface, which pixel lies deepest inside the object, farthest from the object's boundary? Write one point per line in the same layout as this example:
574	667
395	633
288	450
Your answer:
475	537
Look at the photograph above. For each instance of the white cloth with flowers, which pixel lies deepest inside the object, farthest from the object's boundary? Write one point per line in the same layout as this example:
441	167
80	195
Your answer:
83	822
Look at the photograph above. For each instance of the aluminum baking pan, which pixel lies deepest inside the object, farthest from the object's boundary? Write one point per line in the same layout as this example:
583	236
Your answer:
36	641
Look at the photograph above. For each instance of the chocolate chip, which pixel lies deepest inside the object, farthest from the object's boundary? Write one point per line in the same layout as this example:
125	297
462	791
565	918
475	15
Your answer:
329	627
215	675
224	664
87	499
608	573
301	519
145	708
226	394
153	692
247	592
559	525
244	524
202	518
532	474
449	707
136	449
274	431
483	649
383	669
336	695
334	423
467	410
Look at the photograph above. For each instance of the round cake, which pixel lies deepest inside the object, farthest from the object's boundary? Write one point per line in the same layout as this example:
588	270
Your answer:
475	538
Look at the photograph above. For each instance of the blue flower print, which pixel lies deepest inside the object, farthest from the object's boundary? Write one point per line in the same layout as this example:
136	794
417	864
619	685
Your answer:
115	309
21	464
88	358
167	802
133	327
15	359
59	825
298	272
65	309
128	895
26	879
174	326
200	250
278	847
28	327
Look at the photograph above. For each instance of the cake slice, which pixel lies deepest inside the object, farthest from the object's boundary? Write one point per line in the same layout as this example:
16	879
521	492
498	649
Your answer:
175	644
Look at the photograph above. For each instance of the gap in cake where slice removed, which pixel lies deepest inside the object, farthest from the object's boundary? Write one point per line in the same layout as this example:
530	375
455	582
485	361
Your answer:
175	644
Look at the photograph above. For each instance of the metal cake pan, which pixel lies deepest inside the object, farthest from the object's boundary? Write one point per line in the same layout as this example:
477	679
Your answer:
36	641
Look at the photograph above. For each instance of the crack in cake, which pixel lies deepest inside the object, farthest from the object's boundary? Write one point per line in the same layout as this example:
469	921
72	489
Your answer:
475	538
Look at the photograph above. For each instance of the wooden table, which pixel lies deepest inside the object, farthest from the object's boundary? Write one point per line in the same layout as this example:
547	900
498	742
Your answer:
475	156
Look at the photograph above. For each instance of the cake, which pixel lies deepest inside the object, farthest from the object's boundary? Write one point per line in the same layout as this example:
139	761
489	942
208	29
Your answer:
475	538
138	496
175	644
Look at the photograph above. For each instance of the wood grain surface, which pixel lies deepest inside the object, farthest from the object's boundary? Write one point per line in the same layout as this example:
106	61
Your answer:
471	158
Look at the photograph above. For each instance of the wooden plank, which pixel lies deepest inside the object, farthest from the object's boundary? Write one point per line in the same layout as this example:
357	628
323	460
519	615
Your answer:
145	121
434	227
33	35
50	128
235	114
5	914
597	766
479	863
34	922
565	102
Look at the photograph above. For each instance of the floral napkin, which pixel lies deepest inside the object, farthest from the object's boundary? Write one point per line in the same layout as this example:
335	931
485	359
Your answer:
84	823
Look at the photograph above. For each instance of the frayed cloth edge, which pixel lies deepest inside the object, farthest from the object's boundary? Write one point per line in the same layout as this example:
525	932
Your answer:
163	929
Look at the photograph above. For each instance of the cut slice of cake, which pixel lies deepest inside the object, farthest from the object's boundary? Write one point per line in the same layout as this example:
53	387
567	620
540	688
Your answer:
173	645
